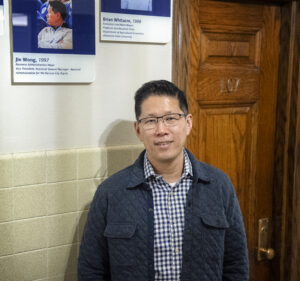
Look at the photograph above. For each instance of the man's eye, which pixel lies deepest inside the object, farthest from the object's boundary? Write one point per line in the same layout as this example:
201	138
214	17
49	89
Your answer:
170	118
150	121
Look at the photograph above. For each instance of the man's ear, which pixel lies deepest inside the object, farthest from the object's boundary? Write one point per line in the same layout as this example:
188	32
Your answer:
137	129
189	122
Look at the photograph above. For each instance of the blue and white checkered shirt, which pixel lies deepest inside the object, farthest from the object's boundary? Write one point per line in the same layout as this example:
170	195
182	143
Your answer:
169	204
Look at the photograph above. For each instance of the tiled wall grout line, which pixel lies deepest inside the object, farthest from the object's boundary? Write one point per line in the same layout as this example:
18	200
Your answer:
13	212
38	250
46	167
13	170
77	190
39	217
47	212
69	206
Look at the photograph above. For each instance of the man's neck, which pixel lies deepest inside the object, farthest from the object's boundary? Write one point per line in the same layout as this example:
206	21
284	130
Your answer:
59	24
171	171
56	27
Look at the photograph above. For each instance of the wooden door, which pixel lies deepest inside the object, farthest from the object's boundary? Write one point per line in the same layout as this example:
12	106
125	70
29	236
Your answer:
226	59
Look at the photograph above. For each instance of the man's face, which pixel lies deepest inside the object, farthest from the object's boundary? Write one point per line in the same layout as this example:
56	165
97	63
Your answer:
163	144
54	19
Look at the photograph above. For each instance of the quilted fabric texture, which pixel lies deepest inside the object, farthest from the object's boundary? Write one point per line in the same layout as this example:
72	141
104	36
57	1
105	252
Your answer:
117	242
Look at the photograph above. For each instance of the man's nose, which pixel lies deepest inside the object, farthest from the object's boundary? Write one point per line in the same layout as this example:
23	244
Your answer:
160	126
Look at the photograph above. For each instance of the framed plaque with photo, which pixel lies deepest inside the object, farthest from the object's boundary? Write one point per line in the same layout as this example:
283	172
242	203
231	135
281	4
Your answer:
53	41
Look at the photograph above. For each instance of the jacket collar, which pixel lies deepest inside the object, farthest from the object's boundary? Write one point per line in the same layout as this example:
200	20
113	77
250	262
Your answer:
199	170
137	176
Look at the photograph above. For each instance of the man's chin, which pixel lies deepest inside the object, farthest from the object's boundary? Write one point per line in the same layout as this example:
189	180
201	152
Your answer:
165	157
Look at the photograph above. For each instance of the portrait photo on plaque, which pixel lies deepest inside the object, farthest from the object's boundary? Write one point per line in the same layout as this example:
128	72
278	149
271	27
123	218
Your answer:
53	40
54	24
140	5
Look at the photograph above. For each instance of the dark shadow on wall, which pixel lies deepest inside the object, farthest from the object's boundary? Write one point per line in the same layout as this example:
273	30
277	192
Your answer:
118	138
119	133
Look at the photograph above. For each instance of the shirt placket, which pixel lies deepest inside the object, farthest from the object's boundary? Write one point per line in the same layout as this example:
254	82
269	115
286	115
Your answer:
173	226
169	217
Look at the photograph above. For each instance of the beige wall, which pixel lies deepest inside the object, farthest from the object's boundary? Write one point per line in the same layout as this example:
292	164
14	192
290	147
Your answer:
44	200
45	185
50	117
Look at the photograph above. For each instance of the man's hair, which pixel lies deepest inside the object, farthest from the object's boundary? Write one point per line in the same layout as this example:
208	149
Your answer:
159	88
59	7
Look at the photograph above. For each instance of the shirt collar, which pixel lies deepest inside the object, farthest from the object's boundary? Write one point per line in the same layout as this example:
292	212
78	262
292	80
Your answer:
150	173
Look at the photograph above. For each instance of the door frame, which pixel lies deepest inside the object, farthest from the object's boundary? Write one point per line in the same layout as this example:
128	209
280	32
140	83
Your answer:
286	196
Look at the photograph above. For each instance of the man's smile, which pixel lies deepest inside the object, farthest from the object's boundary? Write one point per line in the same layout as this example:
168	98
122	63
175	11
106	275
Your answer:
163	143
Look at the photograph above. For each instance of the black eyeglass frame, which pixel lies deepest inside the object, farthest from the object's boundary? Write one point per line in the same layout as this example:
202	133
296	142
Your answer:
162	117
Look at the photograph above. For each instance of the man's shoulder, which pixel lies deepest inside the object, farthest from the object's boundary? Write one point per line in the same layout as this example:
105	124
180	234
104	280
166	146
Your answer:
218	189
208	172
119	178
64	28
45	30
48	29
130	176
212	171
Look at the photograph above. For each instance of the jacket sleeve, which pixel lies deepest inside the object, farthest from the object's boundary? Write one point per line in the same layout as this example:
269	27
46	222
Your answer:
93	262
236	264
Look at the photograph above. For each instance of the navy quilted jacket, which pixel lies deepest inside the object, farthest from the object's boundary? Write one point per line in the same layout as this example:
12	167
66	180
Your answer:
117	242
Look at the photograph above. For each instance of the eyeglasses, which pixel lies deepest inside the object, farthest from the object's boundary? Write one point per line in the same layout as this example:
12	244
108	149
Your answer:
169	120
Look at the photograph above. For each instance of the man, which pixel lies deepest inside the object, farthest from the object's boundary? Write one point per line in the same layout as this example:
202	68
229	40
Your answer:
168	217
42	11
57	35
140	5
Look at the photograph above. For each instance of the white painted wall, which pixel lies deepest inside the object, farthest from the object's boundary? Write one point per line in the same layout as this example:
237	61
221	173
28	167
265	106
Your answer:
50	117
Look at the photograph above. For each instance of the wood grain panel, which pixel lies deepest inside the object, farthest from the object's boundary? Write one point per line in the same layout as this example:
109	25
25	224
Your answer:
227	85
226	45
229	63
230	14
181	38
234	125
294	149
228	141
295	257
286	209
